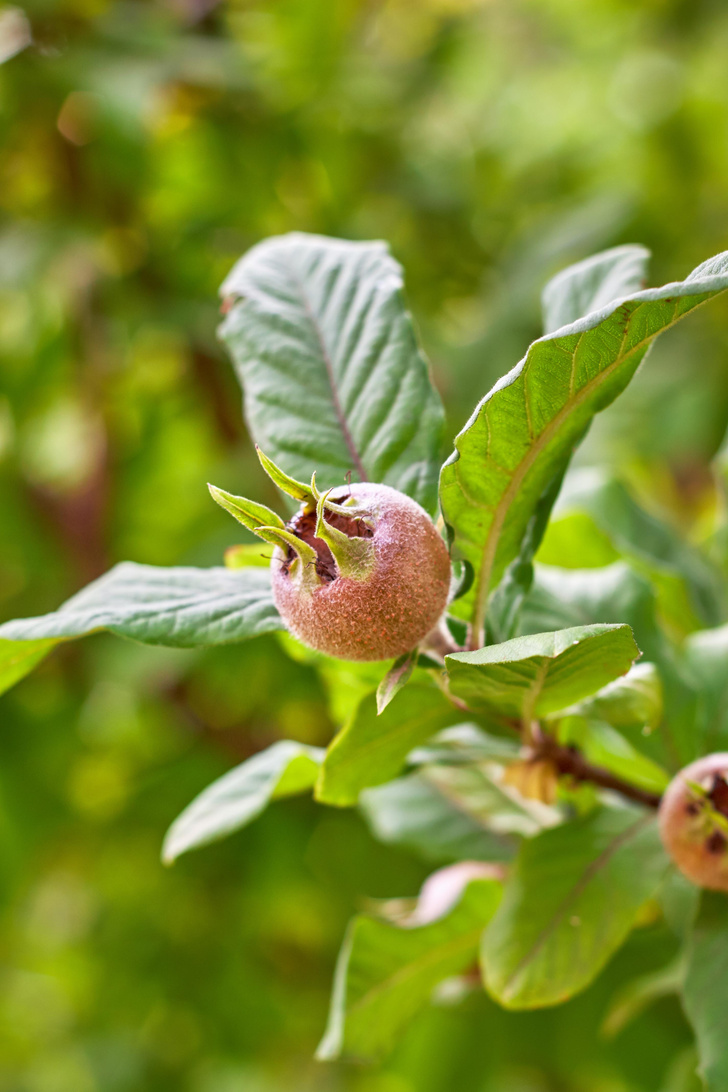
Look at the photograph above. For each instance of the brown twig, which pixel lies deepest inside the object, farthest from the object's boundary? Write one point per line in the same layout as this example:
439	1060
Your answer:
571	763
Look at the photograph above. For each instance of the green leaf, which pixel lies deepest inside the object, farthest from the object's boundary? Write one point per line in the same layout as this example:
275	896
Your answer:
633	701
705	655
562	598
573	541
325	349
532	676
523	432
465	743
372	747
398	676
592	284
386	973
679	901
18	658
569	597
507	600
181	608
571	899
631	1001
240	795
705	993
689	588
413	813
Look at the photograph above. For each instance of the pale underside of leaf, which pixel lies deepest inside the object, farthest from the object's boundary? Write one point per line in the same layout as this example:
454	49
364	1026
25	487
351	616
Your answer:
180	608
236	798
414	812
592	284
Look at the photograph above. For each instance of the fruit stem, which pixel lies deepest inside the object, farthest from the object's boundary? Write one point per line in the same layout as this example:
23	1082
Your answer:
476	634
440	642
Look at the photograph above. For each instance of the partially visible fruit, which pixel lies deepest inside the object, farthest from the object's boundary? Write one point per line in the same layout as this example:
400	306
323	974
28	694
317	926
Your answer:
694	821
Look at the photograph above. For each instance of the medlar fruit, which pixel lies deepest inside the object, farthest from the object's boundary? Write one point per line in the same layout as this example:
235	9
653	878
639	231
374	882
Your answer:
359	573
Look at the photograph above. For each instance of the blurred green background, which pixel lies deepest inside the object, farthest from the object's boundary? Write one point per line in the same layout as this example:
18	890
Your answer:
145	146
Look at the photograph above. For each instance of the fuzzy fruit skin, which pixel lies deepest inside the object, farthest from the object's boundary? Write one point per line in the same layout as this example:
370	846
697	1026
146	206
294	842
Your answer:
397	605
686	830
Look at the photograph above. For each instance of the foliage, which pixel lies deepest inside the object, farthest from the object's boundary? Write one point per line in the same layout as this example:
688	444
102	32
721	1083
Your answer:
144	150
298	311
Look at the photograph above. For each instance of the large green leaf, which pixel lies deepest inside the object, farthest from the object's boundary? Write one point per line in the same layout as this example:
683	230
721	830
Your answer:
571	899
182	608
372	748
412	812
386	973
334	381
532	676
590	285
705	655
615	593
562	598
231	802
705	992
522	434
689	588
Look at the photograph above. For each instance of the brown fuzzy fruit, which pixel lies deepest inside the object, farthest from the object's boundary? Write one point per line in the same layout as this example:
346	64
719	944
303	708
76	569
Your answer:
381	576
694	821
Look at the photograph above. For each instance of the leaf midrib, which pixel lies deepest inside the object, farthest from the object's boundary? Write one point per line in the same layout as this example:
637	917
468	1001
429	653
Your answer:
328	364
492	539
577	890
431	958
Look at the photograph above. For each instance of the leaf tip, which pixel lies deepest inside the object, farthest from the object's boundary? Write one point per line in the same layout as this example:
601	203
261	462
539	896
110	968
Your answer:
169	853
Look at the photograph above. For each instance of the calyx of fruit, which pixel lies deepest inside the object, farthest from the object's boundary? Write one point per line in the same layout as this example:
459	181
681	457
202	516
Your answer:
360	572
694	821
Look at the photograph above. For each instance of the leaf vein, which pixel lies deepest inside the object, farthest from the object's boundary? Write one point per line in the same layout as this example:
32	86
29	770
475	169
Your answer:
578	889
